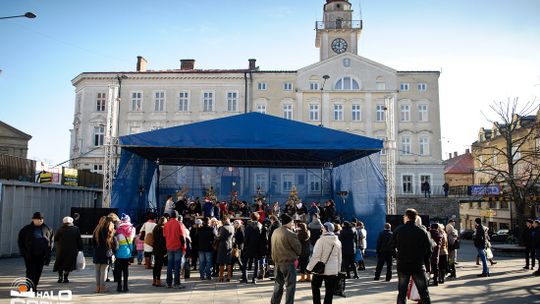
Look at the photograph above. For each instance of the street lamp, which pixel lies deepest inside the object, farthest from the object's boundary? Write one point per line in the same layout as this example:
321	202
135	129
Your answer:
325	77
29	15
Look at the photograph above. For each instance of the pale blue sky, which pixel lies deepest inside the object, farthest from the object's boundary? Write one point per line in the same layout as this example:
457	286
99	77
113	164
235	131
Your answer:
487	49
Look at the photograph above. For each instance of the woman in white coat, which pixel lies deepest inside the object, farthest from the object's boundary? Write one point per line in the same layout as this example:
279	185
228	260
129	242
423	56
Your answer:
327	250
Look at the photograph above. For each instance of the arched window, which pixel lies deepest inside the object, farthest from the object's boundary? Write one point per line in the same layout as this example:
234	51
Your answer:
347	83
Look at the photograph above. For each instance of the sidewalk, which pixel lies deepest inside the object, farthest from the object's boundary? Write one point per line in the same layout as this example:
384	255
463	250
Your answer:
508	284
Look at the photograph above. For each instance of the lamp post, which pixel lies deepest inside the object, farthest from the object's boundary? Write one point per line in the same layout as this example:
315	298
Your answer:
29	15
325	77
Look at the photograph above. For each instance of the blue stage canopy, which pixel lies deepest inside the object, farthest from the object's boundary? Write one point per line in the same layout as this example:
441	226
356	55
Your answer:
251	140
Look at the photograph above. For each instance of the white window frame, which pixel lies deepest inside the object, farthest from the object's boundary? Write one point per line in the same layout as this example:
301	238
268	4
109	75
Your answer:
261	108
405	146
99	135
347	83
287	182
411	183
379	113
356	112
159	101
232	101
208	100
262	86
404	86
423	112
287	111
380	86
261	180
423	145
183	101
136	101
314	85
338	112
405	112
101	102
97	168
287	86
314	183
314	112
421	86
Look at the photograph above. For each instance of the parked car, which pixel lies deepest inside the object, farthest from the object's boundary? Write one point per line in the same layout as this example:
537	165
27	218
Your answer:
500	236
466	234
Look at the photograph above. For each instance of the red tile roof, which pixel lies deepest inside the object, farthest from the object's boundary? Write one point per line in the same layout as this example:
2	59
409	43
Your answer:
461	164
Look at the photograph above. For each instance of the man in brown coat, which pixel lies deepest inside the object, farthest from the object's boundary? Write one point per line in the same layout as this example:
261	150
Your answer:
285	250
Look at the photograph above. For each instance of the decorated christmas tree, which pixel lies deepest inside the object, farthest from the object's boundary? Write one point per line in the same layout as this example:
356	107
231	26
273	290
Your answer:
211	195
293	197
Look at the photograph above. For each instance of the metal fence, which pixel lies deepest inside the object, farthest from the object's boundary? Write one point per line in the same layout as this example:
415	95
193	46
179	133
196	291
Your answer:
16	168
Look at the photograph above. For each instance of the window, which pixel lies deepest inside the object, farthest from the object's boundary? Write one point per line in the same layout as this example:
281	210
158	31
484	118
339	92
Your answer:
356	112
347	83
424	145
287	86
422	86
232	101
314	85
261	182
262	86
379	113
314	112
383	150
261	108
101	100
99	135
425	178
183	101
134	129
136	101
407	183
287	111
516	154
159	101
405	145
422	113
405	114
98	168
208	101
504	204
286	182
314	183
495	160
346	61
338	112
380	86
404	86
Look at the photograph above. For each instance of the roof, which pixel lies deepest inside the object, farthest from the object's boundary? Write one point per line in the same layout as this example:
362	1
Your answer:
251	140
461	164
15	130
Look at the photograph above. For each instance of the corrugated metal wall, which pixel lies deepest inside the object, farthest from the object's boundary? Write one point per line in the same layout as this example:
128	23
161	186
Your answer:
19	200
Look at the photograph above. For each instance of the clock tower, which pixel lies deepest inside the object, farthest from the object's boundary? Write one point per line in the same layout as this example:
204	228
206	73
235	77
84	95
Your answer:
338	32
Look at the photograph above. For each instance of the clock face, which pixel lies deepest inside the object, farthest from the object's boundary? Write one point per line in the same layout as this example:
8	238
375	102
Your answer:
339	45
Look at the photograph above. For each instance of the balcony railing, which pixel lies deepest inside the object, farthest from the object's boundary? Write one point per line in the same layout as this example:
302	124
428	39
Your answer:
338	24
435	191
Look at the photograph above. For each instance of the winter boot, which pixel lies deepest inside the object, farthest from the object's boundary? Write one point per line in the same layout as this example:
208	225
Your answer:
66	274
302	278
221	270
148	262
229	273
60	277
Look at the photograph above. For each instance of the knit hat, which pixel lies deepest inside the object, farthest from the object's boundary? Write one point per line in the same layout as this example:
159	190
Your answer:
329	227
239	222
125	218
68	220
285	219
198	222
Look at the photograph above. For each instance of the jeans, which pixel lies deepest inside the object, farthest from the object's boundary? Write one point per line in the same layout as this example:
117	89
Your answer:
482	255
419	279
205	264
174	262
285	275
330	285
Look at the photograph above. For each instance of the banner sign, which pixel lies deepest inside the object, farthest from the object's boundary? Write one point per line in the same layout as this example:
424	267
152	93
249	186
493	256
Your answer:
71	177
485	190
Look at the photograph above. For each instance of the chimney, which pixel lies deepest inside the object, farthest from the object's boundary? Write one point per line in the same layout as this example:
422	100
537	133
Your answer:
252	63
467	151
449	155
187	64
141	64
455	154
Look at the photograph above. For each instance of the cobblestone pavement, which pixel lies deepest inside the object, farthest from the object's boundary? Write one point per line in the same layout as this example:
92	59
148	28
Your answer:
509	283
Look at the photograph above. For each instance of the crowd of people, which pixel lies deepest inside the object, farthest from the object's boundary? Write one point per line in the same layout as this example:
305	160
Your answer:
270	242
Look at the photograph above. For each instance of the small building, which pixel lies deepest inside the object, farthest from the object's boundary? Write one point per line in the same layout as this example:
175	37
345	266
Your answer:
13	141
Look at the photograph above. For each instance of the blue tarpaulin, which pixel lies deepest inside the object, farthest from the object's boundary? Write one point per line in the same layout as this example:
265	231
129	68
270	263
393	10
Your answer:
256	140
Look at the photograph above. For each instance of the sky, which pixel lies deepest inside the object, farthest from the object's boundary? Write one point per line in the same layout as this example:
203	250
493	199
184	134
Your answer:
487	50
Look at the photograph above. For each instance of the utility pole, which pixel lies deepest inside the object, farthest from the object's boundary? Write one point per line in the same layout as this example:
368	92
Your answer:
390	146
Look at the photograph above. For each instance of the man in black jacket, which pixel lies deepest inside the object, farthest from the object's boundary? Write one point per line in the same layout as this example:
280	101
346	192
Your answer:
413	248
204	239
385	252
536	243
529	246
35	243
480	242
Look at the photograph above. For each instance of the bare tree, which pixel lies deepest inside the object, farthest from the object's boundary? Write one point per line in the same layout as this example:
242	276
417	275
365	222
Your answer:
509	155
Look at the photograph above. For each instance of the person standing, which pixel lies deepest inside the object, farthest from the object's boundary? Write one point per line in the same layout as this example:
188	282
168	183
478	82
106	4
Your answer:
303	260
536	243
413	249
481	240
285	250
329	212
35	243
159	250
527	238
176	244
327	250
361	233
443	254
453	244
426	189
348	240
446	187
68	243
253	239
125	233
437	238
147	236
104	244
204	239
169	206
385	252
224	250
